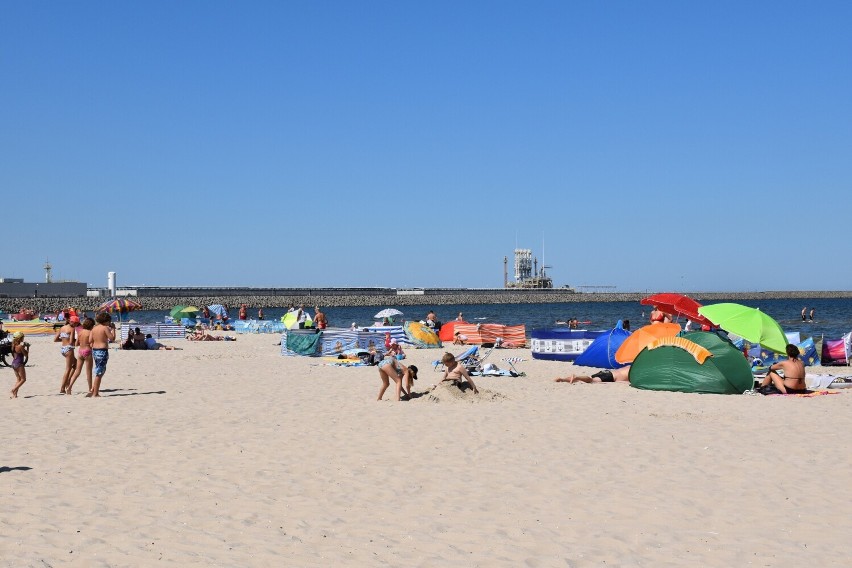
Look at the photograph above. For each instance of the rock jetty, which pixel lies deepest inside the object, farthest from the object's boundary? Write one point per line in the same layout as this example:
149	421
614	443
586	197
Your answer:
316	298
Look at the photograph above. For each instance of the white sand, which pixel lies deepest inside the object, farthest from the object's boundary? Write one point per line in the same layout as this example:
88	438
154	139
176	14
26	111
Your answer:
228	454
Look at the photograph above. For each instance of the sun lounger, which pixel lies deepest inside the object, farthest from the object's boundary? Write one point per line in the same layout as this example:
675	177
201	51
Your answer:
464	358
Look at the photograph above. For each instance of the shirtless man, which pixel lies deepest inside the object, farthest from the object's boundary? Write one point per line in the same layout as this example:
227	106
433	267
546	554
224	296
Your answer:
102	334
615	376
319	319
793	381
456	372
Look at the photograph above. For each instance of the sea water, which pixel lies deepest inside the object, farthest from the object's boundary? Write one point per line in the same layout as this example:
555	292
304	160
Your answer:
832	316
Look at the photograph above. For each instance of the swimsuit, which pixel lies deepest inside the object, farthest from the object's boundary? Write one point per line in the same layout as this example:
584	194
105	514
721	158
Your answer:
101	356
18	361
84	352
392	362
660	317
605	376
65	349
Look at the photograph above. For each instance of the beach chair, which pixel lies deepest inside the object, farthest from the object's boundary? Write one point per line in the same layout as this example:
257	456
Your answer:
511	361
469	358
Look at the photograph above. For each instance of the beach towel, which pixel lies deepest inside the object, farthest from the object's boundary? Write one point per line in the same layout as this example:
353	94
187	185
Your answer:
303	344
806	395
819	382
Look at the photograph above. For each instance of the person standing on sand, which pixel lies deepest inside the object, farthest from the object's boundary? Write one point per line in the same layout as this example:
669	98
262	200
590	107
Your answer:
67	336
102	334
84	354
301	316
319	319
20	351
659	316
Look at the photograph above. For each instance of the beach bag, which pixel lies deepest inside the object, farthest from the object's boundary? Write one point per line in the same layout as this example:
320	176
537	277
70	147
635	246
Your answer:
372	358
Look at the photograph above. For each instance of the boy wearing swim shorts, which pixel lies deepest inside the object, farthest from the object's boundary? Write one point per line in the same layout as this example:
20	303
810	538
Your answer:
102	334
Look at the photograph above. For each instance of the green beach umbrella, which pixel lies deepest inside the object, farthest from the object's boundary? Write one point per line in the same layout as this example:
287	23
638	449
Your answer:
749	323
176	311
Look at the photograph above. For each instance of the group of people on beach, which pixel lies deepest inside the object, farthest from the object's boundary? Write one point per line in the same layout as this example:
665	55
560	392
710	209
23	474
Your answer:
392	369
790	379
83	344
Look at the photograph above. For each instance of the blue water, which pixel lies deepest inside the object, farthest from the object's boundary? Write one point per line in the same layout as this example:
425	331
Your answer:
833	317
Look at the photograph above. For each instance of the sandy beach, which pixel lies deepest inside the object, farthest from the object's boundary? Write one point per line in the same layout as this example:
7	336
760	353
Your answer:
228	454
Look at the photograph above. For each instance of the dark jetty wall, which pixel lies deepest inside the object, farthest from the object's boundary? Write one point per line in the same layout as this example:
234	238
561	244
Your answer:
316	298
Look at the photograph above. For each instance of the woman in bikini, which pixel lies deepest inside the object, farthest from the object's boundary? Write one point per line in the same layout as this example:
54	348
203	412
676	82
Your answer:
392	368
67	337
84	353
793	380
659	316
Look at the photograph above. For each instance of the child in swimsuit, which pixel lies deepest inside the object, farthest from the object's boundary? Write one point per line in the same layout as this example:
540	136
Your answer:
20	350
84	353
456	372
395	350
102	334
391	368
67	336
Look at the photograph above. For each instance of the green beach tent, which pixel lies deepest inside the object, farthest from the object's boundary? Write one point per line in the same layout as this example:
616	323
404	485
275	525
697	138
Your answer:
675	368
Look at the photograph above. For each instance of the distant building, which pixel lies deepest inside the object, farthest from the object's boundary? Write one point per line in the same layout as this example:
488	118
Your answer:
17	288
527	274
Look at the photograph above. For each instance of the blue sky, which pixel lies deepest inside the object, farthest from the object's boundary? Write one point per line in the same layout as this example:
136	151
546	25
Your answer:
643	145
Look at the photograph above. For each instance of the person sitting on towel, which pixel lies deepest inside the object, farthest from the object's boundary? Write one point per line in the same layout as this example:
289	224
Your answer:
793	381
138	340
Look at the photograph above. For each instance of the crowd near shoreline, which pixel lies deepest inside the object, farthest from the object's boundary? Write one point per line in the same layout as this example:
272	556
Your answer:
45	305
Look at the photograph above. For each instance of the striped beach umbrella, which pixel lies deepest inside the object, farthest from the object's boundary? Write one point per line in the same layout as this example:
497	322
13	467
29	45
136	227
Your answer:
119	305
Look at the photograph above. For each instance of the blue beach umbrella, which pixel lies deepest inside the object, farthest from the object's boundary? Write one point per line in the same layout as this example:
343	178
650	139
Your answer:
219	310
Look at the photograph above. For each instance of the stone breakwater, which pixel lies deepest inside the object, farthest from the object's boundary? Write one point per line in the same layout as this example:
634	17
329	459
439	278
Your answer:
52	305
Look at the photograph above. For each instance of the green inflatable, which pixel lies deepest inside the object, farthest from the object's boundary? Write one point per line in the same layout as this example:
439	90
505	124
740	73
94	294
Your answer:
671	368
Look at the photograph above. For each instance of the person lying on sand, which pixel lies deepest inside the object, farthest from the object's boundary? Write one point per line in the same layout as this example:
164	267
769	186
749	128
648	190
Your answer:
203	335
606	376
455	372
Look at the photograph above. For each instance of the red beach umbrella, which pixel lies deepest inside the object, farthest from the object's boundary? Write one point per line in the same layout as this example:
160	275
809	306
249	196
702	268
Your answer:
677	304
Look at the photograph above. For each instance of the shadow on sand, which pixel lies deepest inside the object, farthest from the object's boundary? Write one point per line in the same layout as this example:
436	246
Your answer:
132	393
